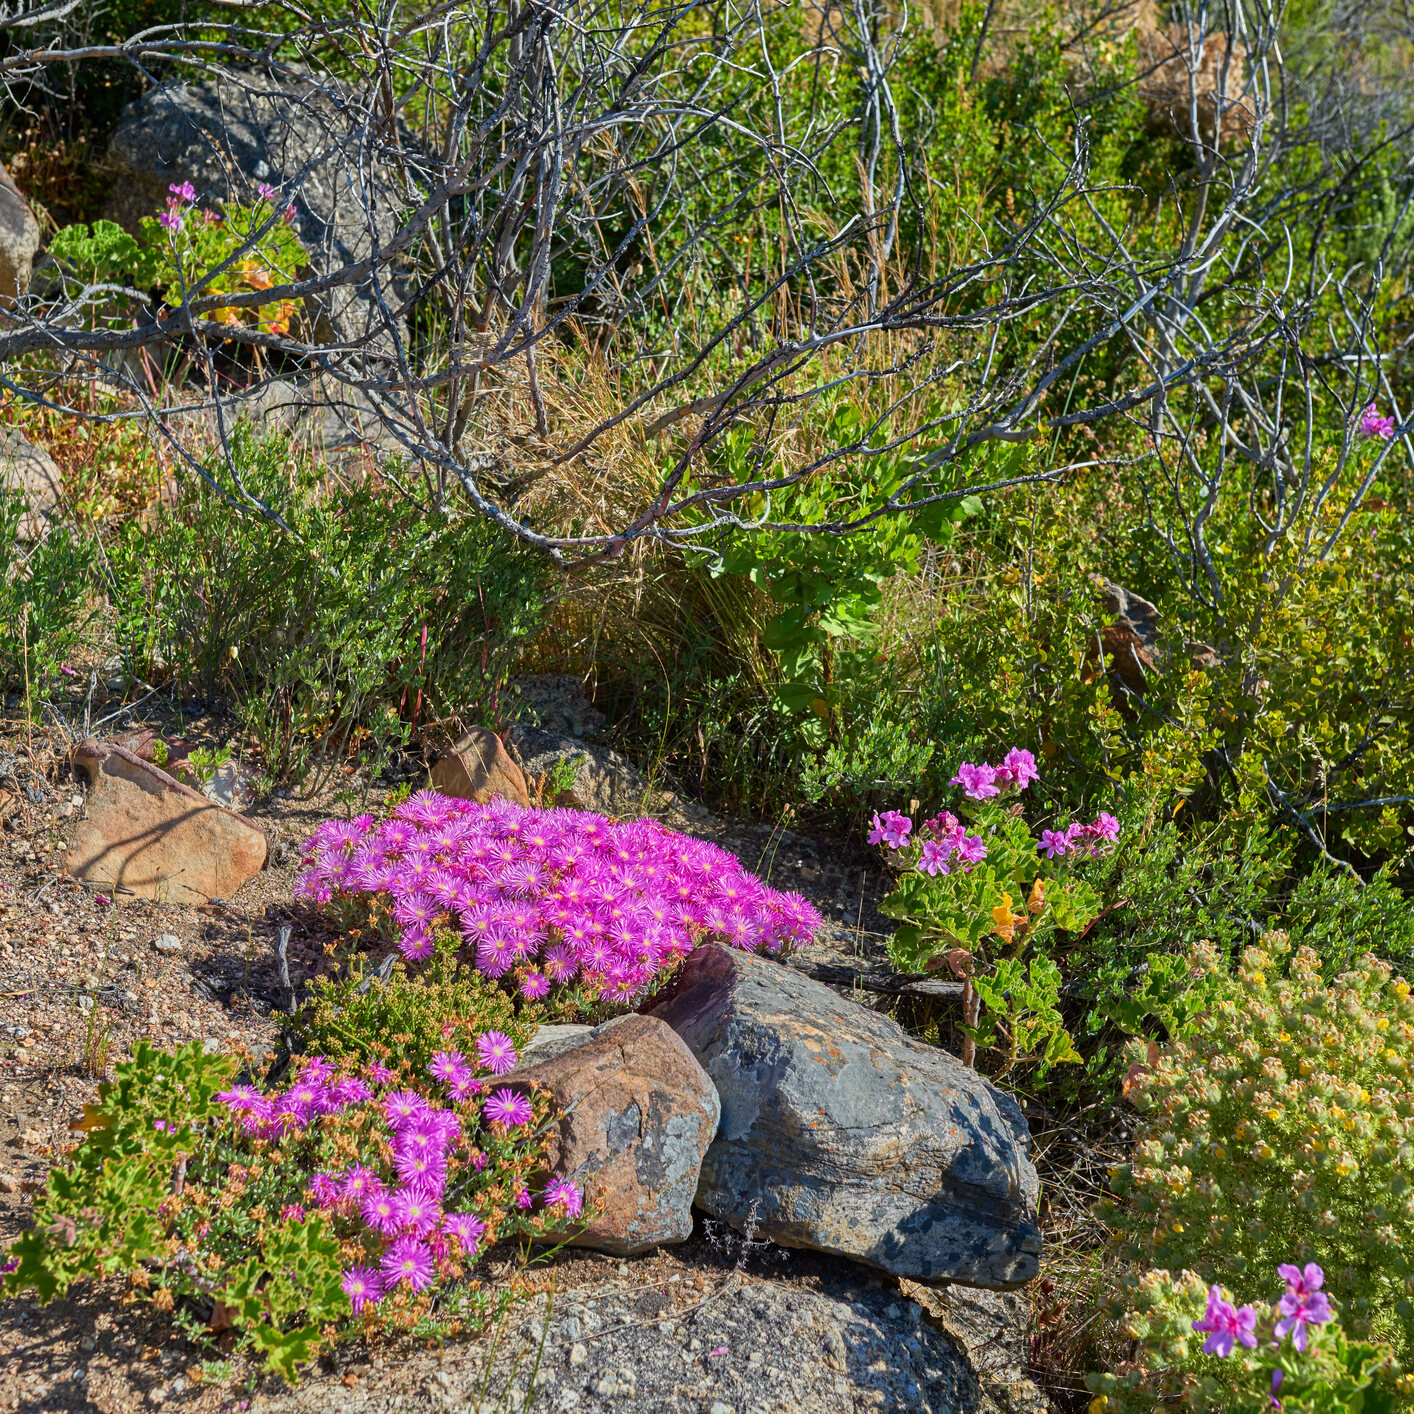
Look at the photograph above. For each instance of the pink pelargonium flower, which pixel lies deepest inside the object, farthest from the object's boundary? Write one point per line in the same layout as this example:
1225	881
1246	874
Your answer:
183	192
1225	1325
172	220
979	782
891	829
1018	769
1303	1303
934	859
1055	843
1373	425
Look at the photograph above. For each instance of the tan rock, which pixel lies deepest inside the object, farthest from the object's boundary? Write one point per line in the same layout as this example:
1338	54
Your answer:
152	836
638	1115
31	471
477	768
19	240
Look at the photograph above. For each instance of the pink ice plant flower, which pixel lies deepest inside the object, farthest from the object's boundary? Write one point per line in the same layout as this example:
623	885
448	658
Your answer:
408	1262
1225	1325
566	895
496	1052
1303	1303
561	1193
363	1286
508	1108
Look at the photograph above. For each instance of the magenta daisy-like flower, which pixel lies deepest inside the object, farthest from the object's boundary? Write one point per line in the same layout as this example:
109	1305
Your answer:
363	1286
326	1189
402	1106
534	985
467	1228
508	1108
446	1065
380	1212
561	1193
496	1052
416	1211
379	1074
360	1184
408	1262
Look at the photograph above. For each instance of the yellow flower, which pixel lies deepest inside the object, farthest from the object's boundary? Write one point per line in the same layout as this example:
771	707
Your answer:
1342	1169
1098	1404
1273	1114
1265	1151
1178	1227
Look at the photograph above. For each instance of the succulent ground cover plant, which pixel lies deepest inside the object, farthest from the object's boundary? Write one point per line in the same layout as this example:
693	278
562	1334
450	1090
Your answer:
547	898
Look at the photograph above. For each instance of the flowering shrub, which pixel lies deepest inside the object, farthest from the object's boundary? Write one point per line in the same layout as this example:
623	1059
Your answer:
1284	1123
546	898
350	1201
176	249
408	1018
958	890
1291	1354
1374	426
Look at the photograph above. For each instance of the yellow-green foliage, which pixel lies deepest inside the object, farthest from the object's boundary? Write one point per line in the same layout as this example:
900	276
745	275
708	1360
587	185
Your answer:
1169	1367
1282	1130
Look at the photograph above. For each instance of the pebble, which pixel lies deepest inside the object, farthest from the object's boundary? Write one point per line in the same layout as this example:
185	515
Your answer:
719	1408
579	1353
167	942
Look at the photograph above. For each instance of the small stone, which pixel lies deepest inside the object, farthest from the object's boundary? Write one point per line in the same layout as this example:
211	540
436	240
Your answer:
579	1353
9	1183
85	1003
167	942
719	1408
606	1387
87	1343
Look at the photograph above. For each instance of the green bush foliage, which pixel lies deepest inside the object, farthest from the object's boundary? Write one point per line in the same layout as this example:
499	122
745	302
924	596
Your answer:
362	613
1281	1129
223	1203
46	589
358	1018
1334	1372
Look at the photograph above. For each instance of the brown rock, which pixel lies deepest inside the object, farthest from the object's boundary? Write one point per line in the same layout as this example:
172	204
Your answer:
19	240
477	768
639	1113
31	471
155	837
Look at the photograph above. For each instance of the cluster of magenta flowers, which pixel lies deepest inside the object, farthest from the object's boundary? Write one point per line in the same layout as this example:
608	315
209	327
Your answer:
183	195
1301	1306
1373	425
410	1220
946	845
1016	771
945	842
1092	839
552	896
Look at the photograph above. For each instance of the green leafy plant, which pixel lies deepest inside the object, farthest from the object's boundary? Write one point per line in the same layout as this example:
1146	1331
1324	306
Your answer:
1282	1125
1164	1314
44	593
189	252
957	891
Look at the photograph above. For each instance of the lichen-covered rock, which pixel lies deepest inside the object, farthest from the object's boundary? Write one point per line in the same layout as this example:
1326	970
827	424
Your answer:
637	1116
841	1133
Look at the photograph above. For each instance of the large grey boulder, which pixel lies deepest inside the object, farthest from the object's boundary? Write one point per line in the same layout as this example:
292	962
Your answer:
229	136
19	239
841	1133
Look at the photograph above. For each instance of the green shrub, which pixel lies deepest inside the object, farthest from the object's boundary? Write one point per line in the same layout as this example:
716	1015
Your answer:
1281	1130
363	613
236	1206
409	1017
1334	1373
44	589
